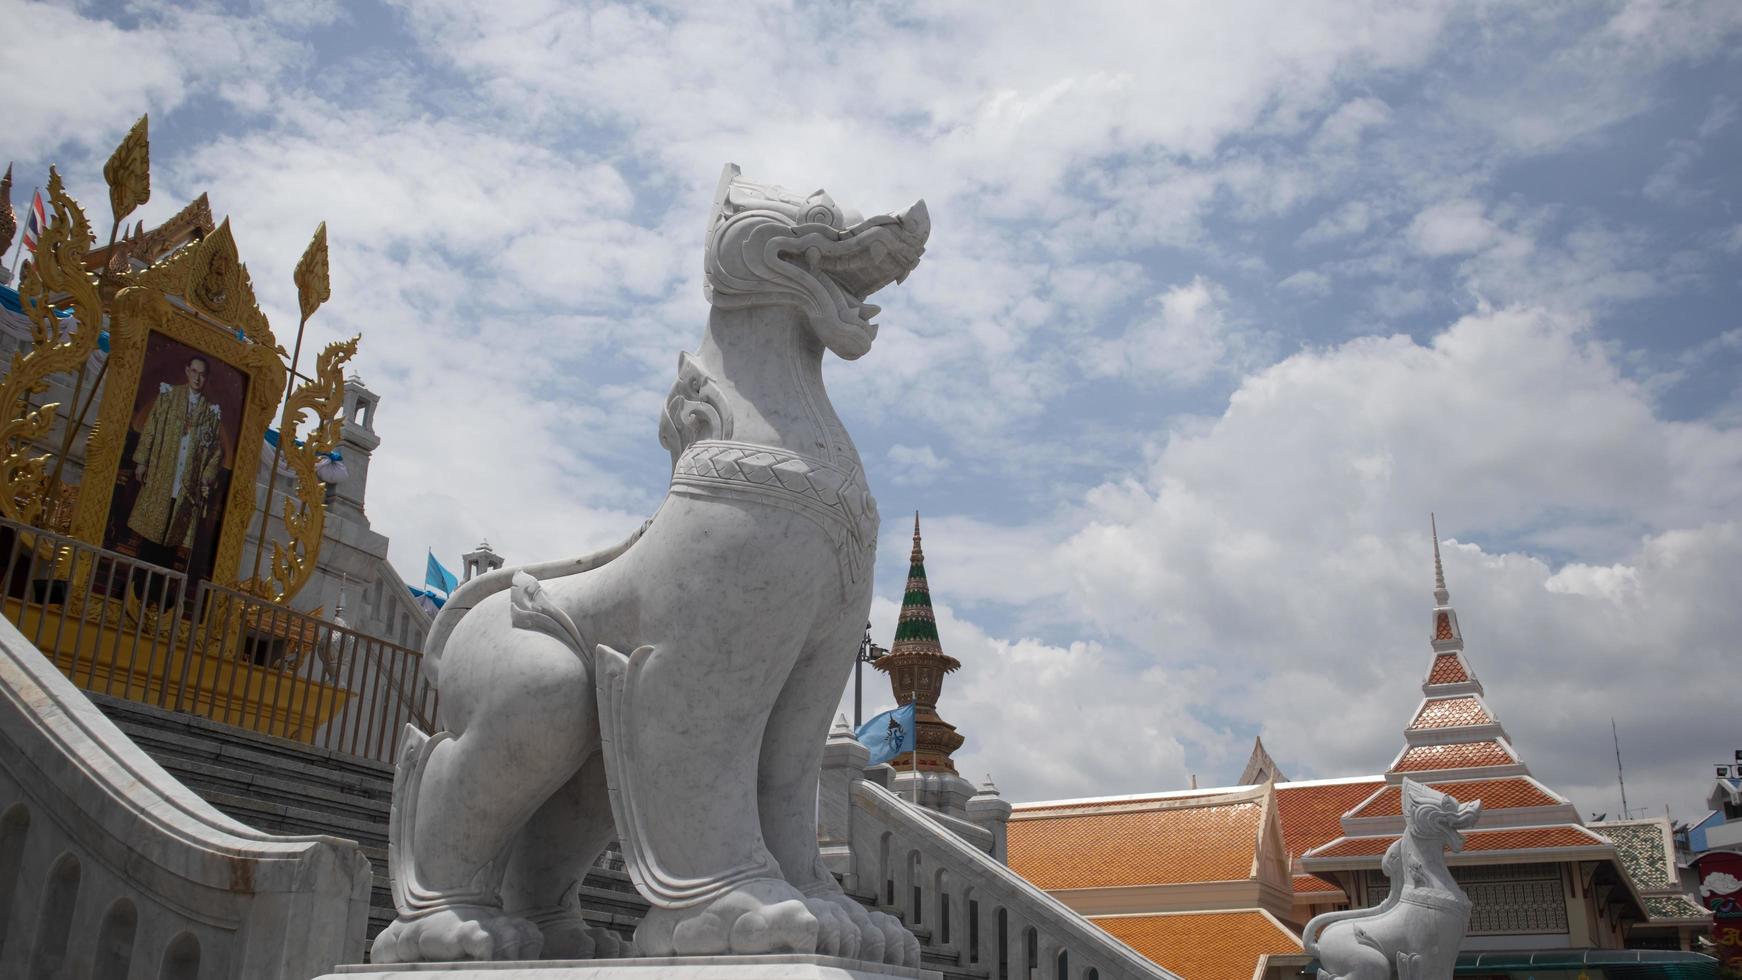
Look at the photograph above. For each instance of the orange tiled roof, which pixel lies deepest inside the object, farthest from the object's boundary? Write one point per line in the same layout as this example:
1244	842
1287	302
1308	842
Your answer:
1458	755
1311	814
1161	845
1451	713
1443	627
1495	794
1559	835
1203	945
1307	884
1136	802
1448	668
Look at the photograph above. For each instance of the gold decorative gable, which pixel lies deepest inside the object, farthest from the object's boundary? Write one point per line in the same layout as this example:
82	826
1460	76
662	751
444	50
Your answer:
190	224
210	278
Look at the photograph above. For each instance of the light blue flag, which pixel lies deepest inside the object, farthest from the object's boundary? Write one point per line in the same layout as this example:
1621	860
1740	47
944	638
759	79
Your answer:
437	577
889	734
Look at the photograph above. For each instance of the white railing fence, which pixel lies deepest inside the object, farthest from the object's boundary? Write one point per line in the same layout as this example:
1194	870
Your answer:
940	876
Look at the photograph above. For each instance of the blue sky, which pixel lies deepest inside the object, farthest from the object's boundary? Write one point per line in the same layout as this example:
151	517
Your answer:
1219	304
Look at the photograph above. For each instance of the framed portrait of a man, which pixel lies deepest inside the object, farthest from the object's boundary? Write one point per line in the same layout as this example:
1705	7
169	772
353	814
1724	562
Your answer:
178	458
193	380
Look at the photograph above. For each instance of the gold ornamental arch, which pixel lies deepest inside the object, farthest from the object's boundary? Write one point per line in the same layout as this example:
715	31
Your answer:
197	298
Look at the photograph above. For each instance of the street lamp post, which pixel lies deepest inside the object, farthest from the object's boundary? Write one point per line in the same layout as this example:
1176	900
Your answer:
868	653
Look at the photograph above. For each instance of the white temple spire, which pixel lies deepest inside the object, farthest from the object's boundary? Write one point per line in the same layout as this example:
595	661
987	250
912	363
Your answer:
1441	595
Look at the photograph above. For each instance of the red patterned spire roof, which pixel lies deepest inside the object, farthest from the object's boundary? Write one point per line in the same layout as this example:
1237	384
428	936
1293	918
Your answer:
1495	794
1457	712
1448	668
1458	755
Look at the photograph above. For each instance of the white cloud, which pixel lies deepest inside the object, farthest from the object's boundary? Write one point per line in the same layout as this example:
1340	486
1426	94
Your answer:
1181	342
1451	228
1350	121
77	80
1282	548
1307	283
1353	218
914	466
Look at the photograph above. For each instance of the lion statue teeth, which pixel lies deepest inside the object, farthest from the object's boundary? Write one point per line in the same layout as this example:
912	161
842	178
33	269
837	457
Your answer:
674	692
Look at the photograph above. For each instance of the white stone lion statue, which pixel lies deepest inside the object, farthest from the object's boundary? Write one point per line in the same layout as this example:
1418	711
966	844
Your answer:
1414	934
674	692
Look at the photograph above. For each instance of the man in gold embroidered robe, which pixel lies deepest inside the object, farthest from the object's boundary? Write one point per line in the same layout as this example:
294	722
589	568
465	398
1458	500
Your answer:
176	461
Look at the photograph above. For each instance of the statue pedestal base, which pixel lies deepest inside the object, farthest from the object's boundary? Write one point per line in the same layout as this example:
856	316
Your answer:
784	966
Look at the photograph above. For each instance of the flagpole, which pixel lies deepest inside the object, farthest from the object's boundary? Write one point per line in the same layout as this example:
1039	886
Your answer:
35	192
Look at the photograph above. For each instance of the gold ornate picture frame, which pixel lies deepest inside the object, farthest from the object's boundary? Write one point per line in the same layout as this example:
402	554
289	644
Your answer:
201	300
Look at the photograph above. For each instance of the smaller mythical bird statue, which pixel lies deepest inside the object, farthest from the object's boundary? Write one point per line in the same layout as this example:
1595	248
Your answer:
1415	933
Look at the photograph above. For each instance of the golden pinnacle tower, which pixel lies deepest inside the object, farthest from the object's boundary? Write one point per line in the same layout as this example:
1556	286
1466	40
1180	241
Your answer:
916	665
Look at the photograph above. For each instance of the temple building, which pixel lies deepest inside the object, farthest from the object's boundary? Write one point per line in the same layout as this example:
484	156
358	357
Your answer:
916	665
1251	864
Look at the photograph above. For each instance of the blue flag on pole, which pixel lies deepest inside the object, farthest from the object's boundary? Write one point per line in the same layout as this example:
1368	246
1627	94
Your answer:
889	734
437	577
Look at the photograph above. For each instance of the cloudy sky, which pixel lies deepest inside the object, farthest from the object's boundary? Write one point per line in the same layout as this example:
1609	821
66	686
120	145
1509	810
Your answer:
1221	301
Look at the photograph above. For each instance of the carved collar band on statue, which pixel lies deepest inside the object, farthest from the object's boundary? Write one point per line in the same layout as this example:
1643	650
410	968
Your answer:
834	497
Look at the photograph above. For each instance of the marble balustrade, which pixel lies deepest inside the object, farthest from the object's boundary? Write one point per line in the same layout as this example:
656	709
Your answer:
917	863
110	868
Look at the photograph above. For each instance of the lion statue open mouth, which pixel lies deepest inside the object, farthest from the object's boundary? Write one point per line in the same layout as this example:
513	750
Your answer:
674	692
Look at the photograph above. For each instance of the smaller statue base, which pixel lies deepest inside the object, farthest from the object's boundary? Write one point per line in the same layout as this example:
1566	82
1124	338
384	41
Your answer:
782	966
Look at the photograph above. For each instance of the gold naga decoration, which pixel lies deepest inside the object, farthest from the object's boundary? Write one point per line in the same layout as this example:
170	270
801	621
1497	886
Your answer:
58	269
305	516
202	283
305	521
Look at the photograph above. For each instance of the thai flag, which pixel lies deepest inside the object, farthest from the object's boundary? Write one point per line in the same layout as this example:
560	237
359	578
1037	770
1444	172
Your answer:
34	222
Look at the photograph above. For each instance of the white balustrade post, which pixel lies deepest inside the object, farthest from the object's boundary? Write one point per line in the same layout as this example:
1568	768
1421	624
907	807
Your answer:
844	760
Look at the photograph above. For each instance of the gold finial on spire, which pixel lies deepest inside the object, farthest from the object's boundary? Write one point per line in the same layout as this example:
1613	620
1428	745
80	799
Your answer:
8	222
128	171
917	555
1441	594
312	285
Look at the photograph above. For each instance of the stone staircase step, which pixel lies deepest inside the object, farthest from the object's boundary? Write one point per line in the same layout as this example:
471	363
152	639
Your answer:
223	776
192	737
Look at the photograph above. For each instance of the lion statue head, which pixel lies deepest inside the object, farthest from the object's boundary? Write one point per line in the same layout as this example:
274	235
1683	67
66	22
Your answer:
769	246
1432	815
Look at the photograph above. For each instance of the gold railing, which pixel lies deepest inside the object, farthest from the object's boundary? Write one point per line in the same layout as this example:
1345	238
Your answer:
125	628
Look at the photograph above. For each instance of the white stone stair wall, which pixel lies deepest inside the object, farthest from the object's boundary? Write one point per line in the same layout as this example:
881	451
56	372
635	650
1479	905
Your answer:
282	786
914	863
110	868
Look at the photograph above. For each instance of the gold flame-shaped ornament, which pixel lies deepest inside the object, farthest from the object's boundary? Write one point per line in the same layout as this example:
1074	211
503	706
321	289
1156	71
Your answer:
58	345
312	285
305	514
129	171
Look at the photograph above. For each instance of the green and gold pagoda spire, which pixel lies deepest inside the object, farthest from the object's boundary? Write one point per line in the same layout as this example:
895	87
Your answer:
916	665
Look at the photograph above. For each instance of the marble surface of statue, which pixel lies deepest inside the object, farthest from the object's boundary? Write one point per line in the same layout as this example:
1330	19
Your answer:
674	692
1415	933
